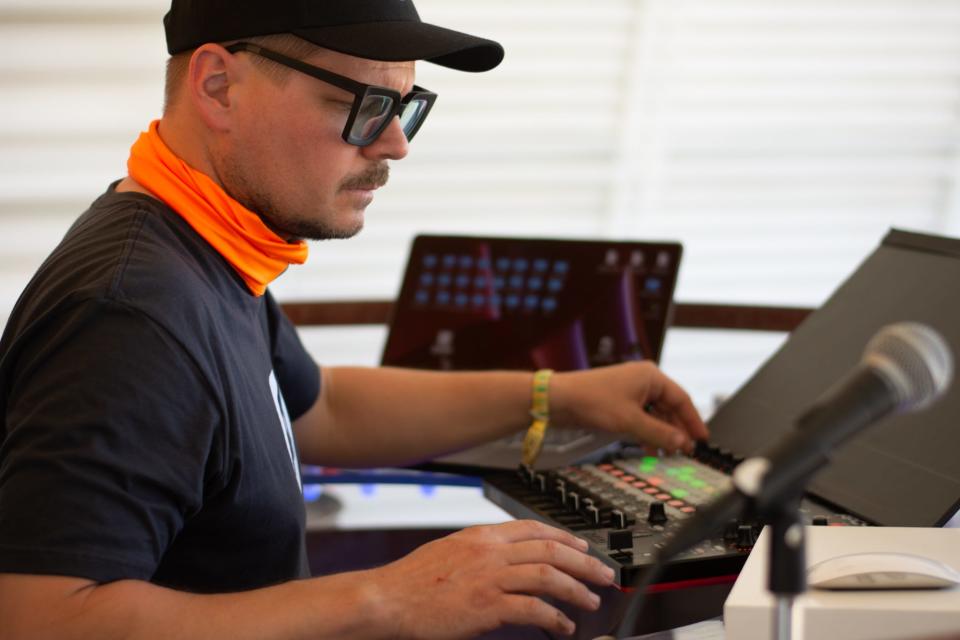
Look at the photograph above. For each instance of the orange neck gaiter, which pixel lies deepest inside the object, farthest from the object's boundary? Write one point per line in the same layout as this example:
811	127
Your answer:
258	254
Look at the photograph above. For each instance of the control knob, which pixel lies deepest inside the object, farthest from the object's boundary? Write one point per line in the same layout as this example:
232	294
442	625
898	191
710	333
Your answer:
657	514
745	536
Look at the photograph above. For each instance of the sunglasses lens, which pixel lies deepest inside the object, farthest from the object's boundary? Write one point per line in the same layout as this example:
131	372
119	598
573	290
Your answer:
411	115
371	118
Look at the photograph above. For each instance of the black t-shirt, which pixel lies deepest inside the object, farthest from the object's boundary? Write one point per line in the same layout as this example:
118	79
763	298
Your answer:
147	398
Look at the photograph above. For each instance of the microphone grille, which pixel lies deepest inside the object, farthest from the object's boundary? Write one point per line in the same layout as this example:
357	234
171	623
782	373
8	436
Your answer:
914	359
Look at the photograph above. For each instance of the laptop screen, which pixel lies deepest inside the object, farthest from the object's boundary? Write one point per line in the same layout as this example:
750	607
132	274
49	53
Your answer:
902	471
509	303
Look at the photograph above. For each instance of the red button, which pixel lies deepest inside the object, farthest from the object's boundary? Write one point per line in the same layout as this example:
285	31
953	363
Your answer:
687	509
675	503
651	490
639	484
606	466
663	496
617	472
655	481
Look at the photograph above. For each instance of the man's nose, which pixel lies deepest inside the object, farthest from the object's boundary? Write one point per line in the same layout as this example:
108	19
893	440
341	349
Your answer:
391	144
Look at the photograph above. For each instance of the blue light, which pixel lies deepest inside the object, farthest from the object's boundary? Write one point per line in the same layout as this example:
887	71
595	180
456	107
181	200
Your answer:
312	492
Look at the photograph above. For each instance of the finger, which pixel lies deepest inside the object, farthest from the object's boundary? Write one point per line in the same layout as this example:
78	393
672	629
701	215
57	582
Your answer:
659	433
544	580
682	442
668	395
527	610
520	530
562	557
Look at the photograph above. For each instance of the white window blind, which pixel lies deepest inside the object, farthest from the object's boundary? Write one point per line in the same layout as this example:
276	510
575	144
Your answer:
778	140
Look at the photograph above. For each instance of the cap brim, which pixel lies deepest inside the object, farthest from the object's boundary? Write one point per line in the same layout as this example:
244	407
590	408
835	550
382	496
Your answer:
396	41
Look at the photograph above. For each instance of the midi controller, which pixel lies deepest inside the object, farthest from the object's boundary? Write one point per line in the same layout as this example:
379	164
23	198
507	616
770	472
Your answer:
626	507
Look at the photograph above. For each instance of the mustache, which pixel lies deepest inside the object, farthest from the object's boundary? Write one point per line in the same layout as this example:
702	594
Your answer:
375	176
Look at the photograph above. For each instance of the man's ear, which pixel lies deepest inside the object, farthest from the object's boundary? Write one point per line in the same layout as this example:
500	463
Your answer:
211	79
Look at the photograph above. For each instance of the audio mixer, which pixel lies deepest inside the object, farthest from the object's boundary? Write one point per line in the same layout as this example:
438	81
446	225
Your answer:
626	507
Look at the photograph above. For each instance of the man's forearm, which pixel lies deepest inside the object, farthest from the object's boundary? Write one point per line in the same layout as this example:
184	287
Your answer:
384	416
339	606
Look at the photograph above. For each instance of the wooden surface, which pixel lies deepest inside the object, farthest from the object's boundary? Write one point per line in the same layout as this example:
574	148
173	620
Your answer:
685	315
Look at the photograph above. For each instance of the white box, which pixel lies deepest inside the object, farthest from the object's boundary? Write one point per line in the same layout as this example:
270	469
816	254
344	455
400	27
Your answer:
851	615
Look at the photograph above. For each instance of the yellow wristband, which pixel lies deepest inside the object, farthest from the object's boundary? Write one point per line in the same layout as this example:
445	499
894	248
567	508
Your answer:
540	411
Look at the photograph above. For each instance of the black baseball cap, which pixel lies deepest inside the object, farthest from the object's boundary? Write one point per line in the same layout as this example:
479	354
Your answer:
389	30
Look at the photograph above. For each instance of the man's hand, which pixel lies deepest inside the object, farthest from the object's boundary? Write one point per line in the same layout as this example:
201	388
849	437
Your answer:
484	577
460	586
634	399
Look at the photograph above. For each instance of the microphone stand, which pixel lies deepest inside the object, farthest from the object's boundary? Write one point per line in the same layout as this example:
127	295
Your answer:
786	572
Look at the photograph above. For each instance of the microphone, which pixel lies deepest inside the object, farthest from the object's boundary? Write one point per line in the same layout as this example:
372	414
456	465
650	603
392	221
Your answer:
905	367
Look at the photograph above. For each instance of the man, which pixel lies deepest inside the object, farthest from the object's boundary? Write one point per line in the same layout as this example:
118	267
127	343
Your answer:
149	483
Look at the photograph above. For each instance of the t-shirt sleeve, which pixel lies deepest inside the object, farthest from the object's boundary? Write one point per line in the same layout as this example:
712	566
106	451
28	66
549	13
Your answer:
110	441
297	373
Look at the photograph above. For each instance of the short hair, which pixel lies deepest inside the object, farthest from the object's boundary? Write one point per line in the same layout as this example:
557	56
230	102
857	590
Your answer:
285	43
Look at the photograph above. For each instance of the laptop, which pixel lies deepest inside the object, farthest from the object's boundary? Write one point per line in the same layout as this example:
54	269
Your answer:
482	303
904	470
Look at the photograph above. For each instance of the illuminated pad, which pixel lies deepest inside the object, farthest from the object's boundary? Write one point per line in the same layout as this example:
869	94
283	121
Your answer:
683	483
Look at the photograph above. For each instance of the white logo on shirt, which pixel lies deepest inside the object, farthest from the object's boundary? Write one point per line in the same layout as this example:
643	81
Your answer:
286	425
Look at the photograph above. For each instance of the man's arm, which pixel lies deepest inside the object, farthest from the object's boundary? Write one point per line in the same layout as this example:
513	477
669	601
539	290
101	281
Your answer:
457	587
385	416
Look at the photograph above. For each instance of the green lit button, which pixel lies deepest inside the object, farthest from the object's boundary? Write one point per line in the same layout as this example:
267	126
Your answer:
680	493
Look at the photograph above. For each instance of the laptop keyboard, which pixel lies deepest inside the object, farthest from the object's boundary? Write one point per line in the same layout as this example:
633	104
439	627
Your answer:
556	440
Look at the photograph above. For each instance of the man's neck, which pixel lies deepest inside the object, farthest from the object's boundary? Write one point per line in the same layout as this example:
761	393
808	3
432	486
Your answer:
129	184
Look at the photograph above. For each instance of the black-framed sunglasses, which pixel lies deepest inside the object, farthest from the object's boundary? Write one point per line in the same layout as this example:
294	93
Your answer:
373	107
